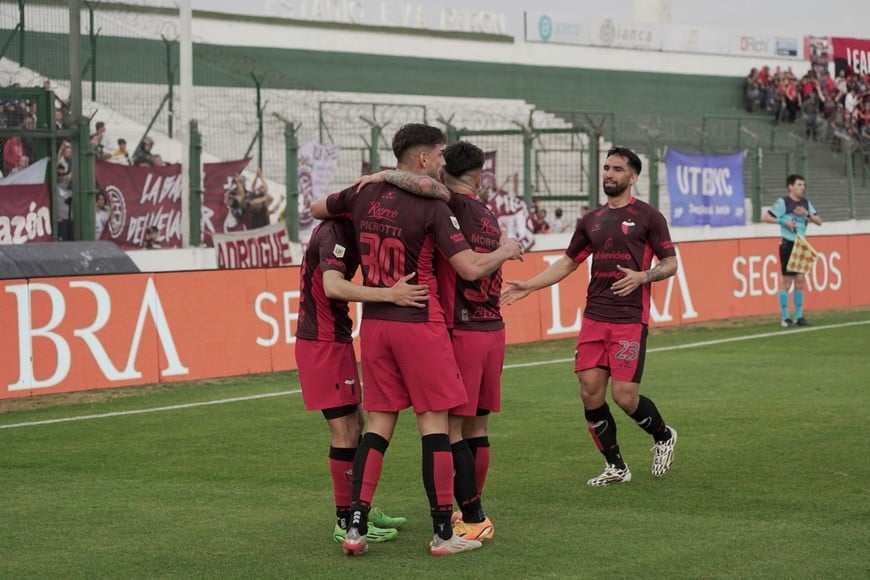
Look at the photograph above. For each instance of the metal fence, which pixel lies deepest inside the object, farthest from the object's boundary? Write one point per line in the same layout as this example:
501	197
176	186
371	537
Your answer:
552	157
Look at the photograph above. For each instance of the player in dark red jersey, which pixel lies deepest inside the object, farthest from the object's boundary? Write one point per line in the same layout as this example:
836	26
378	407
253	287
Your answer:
477	333
326	360
397	234
622	236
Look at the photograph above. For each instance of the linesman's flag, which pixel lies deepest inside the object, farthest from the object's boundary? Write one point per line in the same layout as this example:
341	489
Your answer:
803	255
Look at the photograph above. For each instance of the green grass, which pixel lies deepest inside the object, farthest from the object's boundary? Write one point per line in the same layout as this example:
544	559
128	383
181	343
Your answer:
770	478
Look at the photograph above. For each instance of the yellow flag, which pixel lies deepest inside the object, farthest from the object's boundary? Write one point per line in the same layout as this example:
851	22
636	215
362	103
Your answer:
803	255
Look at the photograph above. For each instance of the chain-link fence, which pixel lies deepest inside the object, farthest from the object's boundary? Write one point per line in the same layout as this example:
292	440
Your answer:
130	83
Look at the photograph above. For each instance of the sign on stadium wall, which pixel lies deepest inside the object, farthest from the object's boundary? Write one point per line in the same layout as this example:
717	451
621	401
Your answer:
554	28
851	55
72	334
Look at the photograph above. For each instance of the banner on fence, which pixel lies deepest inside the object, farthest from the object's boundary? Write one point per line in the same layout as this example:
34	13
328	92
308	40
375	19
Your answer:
265	247
317	166
25	206
25	214
706	189
140	197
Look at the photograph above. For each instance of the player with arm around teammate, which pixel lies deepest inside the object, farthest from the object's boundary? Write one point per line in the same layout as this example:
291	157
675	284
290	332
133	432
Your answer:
326	361
621	236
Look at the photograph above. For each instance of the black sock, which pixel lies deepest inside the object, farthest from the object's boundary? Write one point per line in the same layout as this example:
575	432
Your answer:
464	484
602	427
438	480
648	418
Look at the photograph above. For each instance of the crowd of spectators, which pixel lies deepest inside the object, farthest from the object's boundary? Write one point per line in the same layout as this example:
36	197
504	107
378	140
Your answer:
831	109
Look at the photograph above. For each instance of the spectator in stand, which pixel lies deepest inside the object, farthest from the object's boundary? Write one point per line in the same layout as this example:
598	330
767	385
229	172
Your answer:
812	113
59	122
157	161
142	155
258	202
152	238
764	82
752	90
29	142
23	163
121	156
539	221
101	218
63	199
558	226
13	150
234	199
98	140
792	98
584	209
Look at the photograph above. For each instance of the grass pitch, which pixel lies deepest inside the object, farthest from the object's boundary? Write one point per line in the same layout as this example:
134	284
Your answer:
770	478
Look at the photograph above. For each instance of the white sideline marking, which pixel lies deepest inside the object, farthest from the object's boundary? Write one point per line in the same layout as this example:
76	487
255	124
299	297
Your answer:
783	332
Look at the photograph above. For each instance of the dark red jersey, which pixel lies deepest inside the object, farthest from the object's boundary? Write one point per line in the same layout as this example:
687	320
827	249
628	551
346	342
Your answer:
629	237
472	305
397	234
332	247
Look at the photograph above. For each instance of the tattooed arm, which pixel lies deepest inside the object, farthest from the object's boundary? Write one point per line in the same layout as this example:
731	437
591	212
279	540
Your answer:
415	183
634	279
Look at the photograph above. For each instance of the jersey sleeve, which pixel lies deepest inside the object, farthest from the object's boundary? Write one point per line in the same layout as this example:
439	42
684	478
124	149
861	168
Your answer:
811	207
580	246
660	237
448	237
340	204
336	250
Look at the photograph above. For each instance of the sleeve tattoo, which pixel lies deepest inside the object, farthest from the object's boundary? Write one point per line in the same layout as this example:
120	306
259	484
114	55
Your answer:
421	185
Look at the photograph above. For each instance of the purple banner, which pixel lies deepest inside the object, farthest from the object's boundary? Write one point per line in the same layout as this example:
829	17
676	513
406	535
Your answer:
706	190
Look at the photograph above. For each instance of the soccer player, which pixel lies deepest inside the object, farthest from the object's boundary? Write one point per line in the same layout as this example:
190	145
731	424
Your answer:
477	333
407	357
793	213
622	236
326	360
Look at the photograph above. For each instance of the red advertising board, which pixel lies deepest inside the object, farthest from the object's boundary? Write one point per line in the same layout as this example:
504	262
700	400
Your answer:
70	334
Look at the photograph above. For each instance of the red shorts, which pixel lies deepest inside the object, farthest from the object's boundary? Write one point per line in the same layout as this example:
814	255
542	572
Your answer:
620	348
328	374
409	364
480	357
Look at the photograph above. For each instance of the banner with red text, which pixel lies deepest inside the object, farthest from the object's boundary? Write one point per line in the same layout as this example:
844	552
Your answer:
90	332
25	214
266	247
140	197
851	55
217	216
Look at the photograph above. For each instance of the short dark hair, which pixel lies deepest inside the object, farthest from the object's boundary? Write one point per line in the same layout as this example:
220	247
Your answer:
633	160
414	135
792	178
122	141
100	125
462	157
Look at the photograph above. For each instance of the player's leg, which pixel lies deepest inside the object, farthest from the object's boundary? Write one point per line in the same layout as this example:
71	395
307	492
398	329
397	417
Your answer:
432	394
591	367
475	430
627	351
344	429
438	481
368	464
798	297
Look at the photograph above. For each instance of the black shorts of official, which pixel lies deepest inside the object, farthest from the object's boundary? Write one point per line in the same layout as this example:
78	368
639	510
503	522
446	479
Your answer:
785	247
